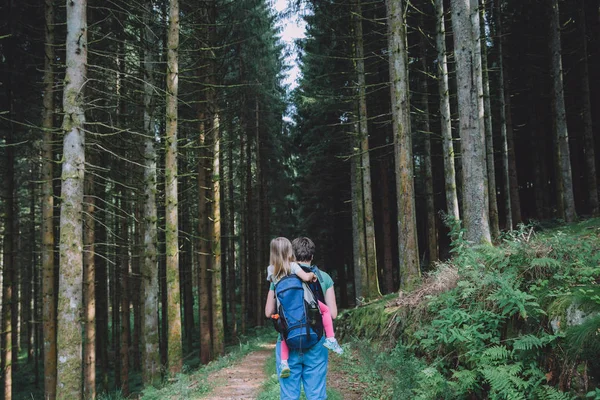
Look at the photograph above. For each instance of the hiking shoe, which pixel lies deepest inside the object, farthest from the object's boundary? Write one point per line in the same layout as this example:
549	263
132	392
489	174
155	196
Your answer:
284	369
333	345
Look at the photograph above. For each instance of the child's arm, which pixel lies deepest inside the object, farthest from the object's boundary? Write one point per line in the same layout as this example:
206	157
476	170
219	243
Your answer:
270	305
305	276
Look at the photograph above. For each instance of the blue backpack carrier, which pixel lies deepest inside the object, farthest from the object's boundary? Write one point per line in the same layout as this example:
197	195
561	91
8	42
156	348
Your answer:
300	321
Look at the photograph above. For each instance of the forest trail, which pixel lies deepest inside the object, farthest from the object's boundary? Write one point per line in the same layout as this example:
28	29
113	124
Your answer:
243	380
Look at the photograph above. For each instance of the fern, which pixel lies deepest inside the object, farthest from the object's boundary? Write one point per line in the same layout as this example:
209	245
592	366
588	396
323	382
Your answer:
550	393
505	382
497	353
464	380
528	342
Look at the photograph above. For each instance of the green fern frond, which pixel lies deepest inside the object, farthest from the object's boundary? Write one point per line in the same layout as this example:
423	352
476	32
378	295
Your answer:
550	393
497	353
505	381
465	379
527	342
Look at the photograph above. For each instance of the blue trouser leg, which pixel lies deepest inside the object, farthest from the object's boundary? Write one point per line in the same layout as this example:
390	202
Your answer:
314	375
308	367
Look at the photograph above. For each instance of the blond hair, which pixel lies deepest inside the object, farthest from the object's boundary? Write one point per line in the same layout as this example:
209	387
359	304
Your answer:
281	256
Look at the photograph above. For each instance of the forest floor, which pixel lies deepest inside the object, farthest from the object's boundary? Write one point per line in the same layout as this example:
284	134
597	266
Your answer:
244	379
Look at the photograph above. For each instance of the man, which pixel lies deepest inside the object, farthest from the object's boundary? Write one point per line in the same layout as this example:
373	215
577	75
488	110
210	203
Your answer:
308	367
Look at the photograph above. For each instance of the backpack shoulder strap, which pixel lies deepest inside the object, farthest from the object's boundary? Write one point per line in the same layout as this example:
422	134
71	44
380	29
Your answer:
316	286
317	272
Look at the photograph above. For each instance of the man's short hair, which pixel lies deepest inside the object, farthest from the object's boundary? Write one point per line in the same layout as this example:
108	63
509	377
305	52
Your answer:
304	248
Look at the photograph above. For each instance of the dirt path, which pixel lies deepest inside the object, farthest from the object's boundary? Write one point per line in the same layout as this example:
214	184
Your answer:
243	379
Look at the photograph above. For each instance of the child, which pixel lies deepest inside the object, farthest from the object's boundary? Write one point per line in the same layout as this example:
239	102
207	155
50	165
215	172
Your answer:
282	265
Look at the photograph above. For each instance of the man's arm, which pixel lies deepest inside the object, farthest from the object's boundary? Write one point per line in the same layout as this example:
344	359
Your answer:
270	307
330	301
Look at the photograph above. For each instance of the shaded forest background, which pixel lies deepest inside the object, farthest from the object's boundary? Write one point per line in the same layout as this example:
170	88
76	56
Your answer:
243	174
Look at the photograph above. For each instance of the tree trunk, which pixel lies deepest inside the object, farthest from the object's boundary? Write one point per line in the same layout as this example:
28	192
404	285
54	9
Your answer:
250	229
29	314
89	290
185	269
503	126
217	304
101	267
8	261
388	263
174	345
260	250
136	283
123	271
371	286
9	237
401	128
515	198
243	227
446	123
231	247
204	212
204	256
37	315
16	274
151	366
489	137
115	295
432	235
69	335
588	134
560	118
465	23
29	257
358	228
48	288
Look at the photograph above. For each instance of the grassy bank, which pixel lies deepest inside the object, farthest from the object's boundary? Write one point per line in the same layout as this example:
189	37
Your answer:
516	321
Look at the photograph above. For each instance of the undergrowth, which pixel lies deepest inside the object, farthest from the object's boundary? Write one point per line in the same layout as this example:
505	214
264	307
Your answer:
516	321
385	374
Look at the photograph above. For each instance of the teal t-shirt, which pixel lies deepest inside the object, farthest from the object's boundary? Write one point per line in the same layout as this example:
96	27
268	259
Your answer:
326	282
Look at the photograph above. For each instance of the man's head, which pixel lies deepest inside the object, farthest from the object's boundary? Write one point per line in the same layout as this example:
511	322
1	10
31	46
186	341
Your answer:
304	249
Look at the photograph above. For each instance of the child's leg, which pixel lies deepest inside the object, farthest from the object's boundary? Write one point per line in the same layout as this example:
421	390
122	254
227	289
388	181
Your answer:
285	351
284	354
327	320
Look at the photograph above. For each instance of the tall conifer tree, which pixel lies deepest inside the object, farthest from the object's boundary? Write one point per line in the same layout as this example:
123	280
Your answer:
174	345
69	333
401	128
465	23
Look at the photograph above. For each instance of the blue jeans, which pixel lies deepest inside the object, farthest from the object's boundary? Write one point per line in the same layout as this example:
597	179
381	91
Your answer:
308	367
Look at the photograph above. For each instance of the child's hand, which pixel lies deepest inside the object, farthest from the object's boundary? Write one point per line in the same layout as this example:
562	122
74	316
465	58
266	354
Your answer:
313	277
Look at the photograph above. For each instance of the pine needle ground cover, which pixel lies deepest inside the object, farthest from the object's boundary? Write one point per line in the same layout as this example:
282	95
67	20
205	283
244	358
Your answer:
520	320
